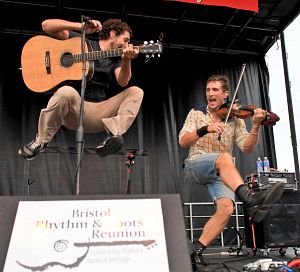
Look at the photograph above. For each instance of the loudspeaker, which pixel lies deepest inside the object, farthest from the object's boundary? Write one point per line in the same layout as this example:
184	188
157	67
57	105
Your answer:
281	226
174	227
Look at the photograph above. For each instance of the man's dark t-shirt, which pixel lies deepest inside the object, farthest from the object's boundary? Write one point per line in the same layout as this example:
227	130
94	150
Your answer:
99	87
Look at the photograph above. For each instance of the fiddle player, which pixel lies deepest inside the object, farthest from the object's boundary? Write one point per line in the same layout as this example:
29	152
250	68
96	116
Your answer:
210	163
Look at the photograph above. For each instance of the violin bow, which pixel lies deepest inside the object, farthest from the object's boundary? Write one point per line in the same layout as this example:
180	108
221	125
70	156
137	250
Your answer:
234	96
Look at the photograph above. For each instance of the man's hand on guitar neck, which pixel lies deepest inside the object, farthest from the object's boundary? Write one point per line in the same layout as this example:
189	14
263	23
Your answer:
130	51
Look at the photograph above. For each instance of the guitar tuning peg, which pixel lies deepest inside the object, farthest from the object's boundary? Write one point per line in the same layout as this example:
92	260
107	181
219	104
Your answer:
148	57
151	42
145	42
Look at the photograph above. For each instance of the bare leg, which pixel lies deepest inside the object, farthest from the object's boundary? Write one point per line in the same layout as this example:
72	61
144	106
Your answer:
232	178
217	222
228	172
257	203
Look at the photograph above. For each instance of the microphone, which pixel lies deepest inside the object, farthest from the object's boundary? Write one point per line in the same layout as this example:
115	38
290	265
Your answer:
86	19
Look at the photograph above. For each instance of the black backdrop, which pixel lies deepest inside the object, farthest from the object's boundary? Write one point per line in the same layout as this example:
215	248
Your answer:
173	84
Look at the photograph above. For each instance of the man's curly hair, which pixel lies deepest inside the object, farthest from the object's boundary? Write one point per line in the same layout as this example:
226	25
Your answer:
114	24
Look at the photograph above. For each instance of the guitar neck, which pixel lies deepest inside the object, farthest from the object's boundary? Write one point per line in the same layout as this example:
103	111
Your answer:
117	52
94	55
151	49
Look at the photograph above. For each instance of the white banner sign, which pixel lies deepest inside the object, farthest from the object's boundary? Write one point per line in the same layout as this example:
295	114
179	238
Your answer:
87	236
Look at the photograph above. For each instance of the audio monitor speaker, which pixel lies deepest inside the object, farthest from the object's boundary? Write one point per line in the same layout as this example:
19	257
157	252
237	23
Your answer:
280	228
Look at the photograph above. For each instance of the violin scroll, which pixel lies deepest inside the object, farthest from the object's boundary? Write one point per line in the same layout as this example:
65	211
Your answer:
271	119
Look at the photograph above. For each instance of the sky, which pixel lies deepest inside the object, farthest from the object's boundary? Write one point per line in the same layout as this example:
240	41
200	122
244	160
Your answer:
277	93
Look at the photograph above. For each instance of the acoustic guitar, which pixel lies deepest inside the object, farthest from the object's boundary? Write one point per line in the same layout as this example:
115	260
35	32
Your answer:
48	62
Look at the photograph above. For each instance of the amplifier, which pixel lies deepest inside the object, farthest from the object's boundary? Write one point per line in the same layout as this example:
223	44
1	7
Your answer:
266	179
280	227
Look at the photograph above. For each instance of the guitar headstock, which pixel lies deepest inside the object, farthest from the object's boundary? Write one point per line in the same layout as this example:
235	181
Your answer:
151	49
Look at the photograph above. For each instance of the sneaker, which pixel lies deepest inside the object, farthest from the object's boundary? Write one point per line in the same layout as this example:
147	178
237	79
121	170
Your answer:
111	145
30	150
257	204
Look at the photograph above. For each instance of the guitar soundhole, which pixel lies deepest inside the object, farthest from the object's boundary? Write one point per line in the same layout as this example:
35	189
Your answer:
67	60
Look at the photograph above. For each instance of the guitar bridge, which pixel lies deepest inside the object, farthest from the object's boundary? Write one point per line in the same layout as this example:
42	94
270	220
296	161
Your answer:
47	62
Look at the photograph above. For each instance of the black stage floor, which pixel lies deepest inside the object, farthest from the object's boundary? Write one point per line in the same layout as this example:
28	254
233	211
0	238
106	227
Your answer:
227	259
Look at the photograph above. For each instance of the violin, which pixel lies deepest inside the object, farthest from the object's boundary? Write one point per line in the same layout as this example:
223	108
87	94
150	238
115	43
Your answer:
245	112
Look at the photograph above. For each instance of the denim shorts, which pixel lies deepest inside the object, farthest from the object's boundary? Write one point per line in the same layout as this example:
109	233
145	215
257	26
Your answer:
202	171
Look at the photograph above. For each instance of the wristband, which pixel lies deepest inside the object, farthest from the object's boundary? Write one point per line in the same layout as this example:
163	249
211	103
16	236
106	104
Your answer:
202	131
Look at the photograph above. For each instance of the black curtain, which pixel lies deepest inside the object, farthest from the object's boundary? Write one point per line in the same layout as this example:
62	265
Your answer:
173	84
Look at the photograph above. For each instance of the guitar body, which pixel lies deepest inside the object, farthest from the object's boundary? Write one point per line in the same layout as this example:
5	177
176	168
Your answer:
48	62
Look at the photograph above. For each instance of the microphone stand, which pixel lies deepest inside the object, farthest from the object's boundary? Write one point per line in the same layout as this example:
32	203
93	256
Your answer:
80	130
130	162
239	249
